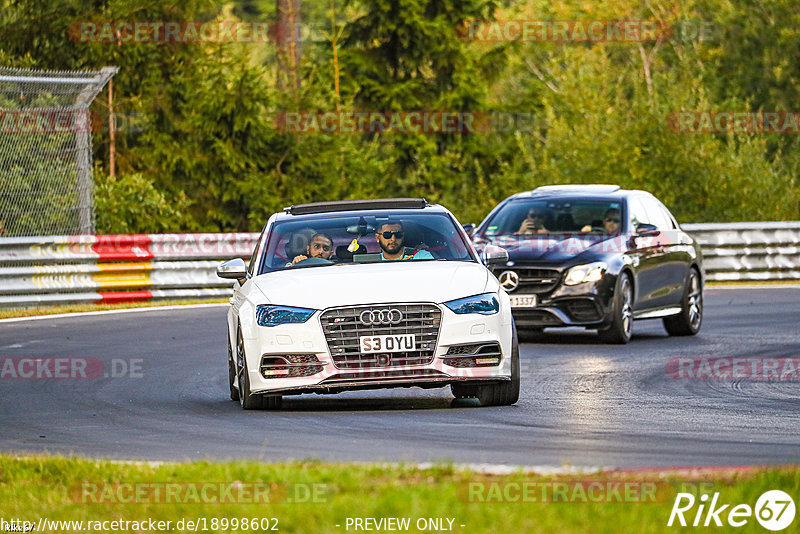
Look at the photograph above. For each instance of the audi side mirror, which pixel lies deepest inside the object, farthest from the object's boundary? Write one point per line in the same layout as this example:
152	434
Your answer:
492	255
234	269
647	230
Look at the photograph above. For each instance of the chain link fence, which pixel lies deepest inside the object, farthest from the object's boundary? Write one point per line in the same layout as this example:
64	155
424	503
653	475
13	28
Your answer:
46	184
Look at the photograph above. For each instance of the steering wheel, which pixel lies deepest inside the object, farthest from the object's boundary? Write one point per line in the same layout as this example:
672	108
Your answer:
309	262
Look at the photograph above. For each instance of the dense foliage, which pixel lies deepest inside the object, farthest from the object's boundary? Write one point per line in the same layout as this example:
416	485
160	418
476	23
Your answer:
200	146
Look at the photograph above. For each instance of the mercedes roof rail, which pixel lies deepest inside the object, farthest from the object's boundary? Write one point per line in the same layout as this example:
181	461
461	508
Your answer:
348	205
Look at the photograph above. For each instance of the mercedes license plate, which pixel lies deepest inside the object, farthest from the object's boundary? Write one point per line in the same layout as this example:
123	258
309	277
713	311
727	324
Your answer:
393	343
523	301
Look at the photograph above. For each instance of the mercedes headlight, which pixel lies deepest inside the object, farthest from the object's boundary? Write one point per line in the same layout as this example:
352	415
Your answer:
580	274
270	315
485	304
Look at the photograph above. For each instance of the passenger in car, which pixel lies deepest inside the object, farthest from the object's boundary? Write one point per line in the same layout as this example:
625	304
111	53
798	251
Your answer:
391	237
534	223
320	246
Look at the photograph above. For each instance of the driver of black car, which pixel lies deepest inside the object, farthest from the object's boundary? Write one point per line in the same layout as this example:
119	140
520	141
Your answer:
320	246
611	222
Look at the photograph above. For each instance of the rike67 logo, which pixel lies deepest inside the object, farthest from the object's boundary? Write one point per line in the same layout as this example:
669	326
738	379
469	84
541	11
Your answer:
774	510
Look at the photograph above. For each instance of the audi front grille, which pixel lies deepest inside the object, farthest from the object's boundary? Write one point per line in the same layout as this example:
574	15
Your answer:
343	327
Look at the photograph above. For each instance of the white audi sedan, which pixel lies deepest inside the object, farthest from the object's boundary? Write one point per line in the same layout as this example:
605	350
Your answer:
365	294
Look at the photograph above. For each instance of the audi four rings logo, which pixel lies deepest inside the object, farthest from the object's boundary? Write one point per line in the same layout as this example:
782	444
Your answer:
509	280
386	316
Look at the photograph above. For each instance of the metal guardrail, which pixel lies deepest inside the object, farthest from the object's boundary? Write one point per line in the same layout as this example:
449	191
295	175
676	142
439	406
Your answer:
120	268
754	251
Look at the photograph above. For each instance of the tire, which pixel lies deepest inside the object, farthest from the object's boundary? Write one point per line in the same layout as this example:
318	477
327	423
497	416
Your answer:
497	394
247	400
271	402
232	374
464	391
689	320
621	327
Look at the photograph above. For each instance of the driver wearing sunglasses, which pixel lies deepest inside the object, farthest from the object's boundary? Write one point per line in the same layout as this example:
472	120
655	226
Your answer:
611	220
390	237
320	246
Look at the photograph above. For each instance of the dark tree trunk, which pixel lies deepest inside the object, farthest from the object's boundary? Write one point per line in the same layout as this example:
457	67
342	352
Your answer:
288	40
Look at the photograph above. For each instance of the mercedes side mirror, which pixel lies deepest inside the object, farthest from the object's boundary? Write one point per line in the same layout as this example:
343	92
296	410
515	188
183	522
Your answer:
647	230
492	255
234	269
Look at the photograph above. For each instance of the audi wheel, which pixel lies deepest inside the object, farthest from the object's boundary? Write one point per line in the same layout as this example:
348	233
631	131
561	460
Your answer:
500	393
232	385
247	400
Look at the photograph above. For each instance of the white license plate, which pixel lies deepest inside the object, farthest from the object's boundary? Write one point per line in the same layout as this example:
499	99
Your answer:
523	301
395	343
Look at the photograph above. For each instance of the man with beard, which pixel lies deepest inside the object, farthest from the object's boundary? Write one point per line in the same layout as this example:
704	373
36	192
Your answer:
390	237
320	246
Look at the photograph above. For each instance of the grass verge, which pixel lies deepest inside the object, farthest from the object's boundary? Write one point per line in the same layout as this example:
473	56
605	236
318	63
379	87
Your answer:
311	496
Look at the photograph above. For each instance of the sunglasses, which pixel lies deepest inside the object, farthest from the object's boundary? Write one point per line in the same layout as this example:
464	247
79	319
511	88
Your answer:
536	215
611	219
388	235
318	246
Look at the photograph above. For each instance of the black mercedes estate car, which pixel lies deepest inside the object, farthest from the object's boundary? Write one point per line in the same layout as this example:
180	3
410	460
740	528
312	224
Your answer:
595	256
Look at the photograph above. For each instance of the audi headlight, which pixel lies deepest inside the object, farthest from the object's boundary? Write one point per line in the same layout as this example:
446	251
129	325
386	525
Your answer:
270	315
486	304
591	272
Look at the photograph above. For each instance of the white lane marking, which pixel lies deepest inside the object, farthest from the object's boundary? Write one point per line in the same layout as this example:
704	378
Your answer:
23	344
106	312
504	469
752	286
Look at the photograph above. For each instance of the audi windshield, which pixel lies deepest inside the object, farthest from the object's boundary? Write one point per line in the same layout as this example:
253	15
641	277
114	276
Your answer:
364	237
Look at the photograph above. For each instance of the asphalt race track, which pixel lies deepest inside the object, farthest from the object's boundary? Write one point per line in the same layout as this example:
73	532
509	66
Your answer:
582	402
